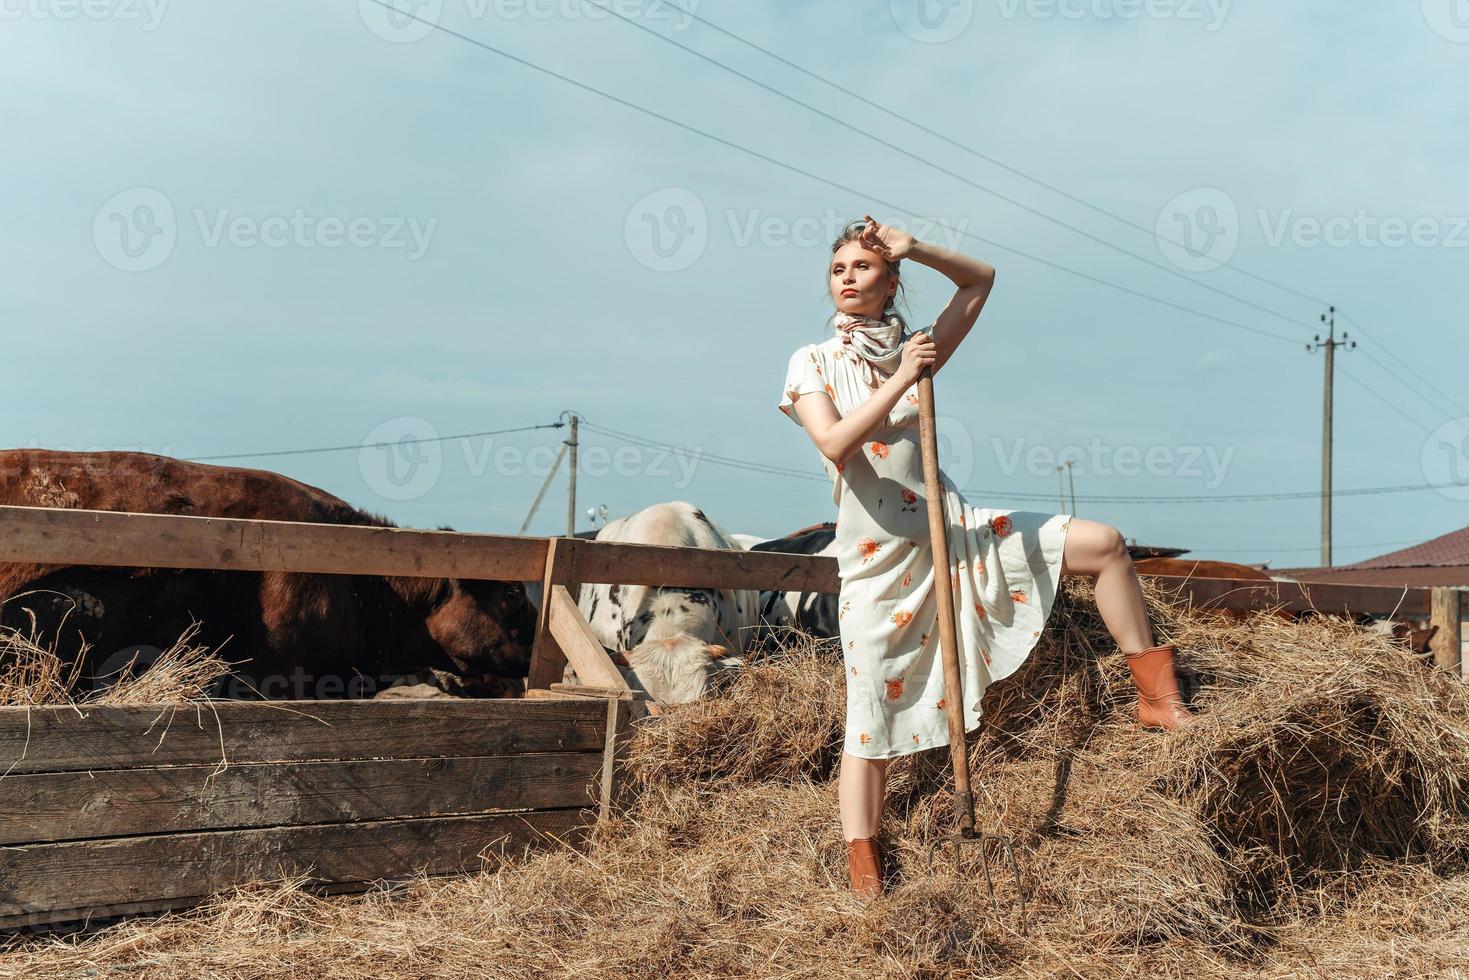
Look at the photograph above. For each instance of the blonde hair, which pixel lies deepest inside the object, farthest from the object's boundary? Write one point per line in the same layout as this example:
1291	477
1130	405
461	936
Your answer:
853	232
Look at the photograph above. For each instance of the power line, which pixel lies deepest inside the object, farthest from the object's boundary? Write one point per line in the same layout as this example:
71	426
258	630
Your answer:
1386	401
847	92
1400	379
708	457
1171	270
386	4
767	468
365	445
1388	350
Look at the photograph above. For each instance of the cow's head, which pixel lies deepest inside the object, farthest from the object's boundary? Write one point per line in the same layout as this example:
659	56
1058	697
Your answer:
484	628
677	669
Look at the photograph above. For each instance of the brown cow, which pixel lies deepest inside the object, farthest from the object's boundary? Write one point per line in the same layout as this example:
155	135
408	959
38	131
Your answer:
1415	636
304	635
1194	568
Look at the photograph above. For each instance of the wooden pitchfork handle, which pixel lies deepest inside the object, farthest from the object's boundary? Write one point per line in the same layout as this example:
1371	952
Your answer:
938	529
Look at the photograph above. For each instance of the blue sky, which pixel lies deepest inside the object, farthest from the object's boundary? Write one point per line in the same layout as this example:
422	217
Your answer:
252	227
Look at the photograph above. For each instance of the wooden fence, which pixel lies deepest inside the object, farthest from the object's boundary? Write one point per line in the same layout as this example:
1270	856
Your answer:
114	810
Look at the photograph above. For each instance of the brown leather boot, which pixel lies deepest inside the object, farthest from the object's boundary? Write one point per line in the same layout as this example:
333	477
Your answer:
864	860
1159	705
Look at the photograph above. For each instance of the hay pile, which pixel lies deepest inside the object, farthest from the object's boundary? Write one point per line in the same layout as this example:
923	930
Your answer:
1314	821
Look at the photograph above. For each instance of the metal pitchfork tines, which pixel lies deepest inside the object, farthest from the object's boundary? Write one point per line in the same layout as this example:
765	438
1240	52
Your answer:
986	841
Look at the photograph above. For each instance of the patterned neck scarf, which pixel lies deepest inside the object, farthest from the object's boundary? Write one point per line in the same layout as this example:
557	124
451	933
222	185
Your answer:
877	344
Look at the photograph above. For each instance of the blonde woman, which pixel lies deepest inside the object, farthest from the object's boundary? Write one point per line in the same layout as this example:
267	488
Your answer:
855	394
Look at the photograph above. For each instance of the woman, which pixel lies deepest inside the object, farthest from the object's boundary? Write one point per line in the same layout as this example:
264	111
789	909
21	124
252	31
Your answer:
855	394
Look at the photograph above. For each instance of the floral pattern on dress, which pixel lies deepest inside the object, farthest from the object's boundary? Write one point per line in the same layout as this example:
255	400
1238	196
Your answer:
1003	571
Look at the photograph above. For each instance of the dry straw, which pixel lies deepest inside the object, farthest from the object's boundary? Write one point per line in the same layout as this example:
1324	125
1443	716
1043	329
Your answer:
1313	822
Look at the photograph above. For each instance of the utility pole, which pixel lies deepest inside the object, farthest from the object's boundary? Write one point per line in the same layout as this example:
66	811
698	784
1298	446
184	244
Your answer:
1071	479
1330	345
571	488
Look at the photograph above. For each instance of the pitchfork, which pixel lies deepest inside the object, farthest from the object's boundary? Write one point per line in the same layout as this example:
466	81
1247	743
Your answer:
938	527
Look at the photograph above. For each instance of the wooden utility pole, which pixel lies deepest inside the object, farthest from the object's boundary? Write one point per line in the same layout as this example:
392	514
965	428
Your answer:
1330	345
571	487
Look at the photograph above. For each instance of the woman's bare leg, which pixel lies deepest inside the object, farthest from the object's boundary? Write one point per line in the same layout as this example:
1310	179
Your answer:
1097	549
861	786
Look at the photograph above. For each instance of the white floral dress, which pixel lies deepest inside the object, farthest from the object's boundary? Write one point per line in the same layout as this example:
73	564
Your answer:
1004	565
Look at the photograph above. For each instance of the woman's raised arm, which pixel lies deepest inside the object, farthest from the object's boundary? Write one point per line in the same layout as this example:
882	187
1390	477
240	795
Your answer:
974	278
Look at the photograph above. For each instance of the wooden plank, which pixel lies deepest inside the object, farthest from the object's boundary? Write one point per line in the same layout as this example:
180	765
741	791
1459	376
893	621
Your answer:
1223	593
547	659
59	738
119	538
101	537
583	651
87	875
653	564
60	806
95	914
602	692
1446	615
623	715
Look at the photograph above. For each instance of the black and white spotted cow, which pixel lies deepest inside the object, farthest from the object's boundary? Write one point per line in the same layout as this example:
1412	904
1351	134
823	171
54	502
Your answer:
813	612
675	643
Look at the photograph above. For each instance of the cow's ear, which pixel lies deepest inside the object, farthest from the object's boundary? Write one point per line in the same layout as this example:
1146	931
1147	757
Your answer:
619	658
716	652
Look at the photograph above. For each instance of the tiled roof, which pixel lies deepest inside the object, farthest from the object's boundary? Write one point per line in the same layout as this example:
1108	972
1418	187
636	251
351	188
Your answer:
1443	560
1418	577
1447	549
